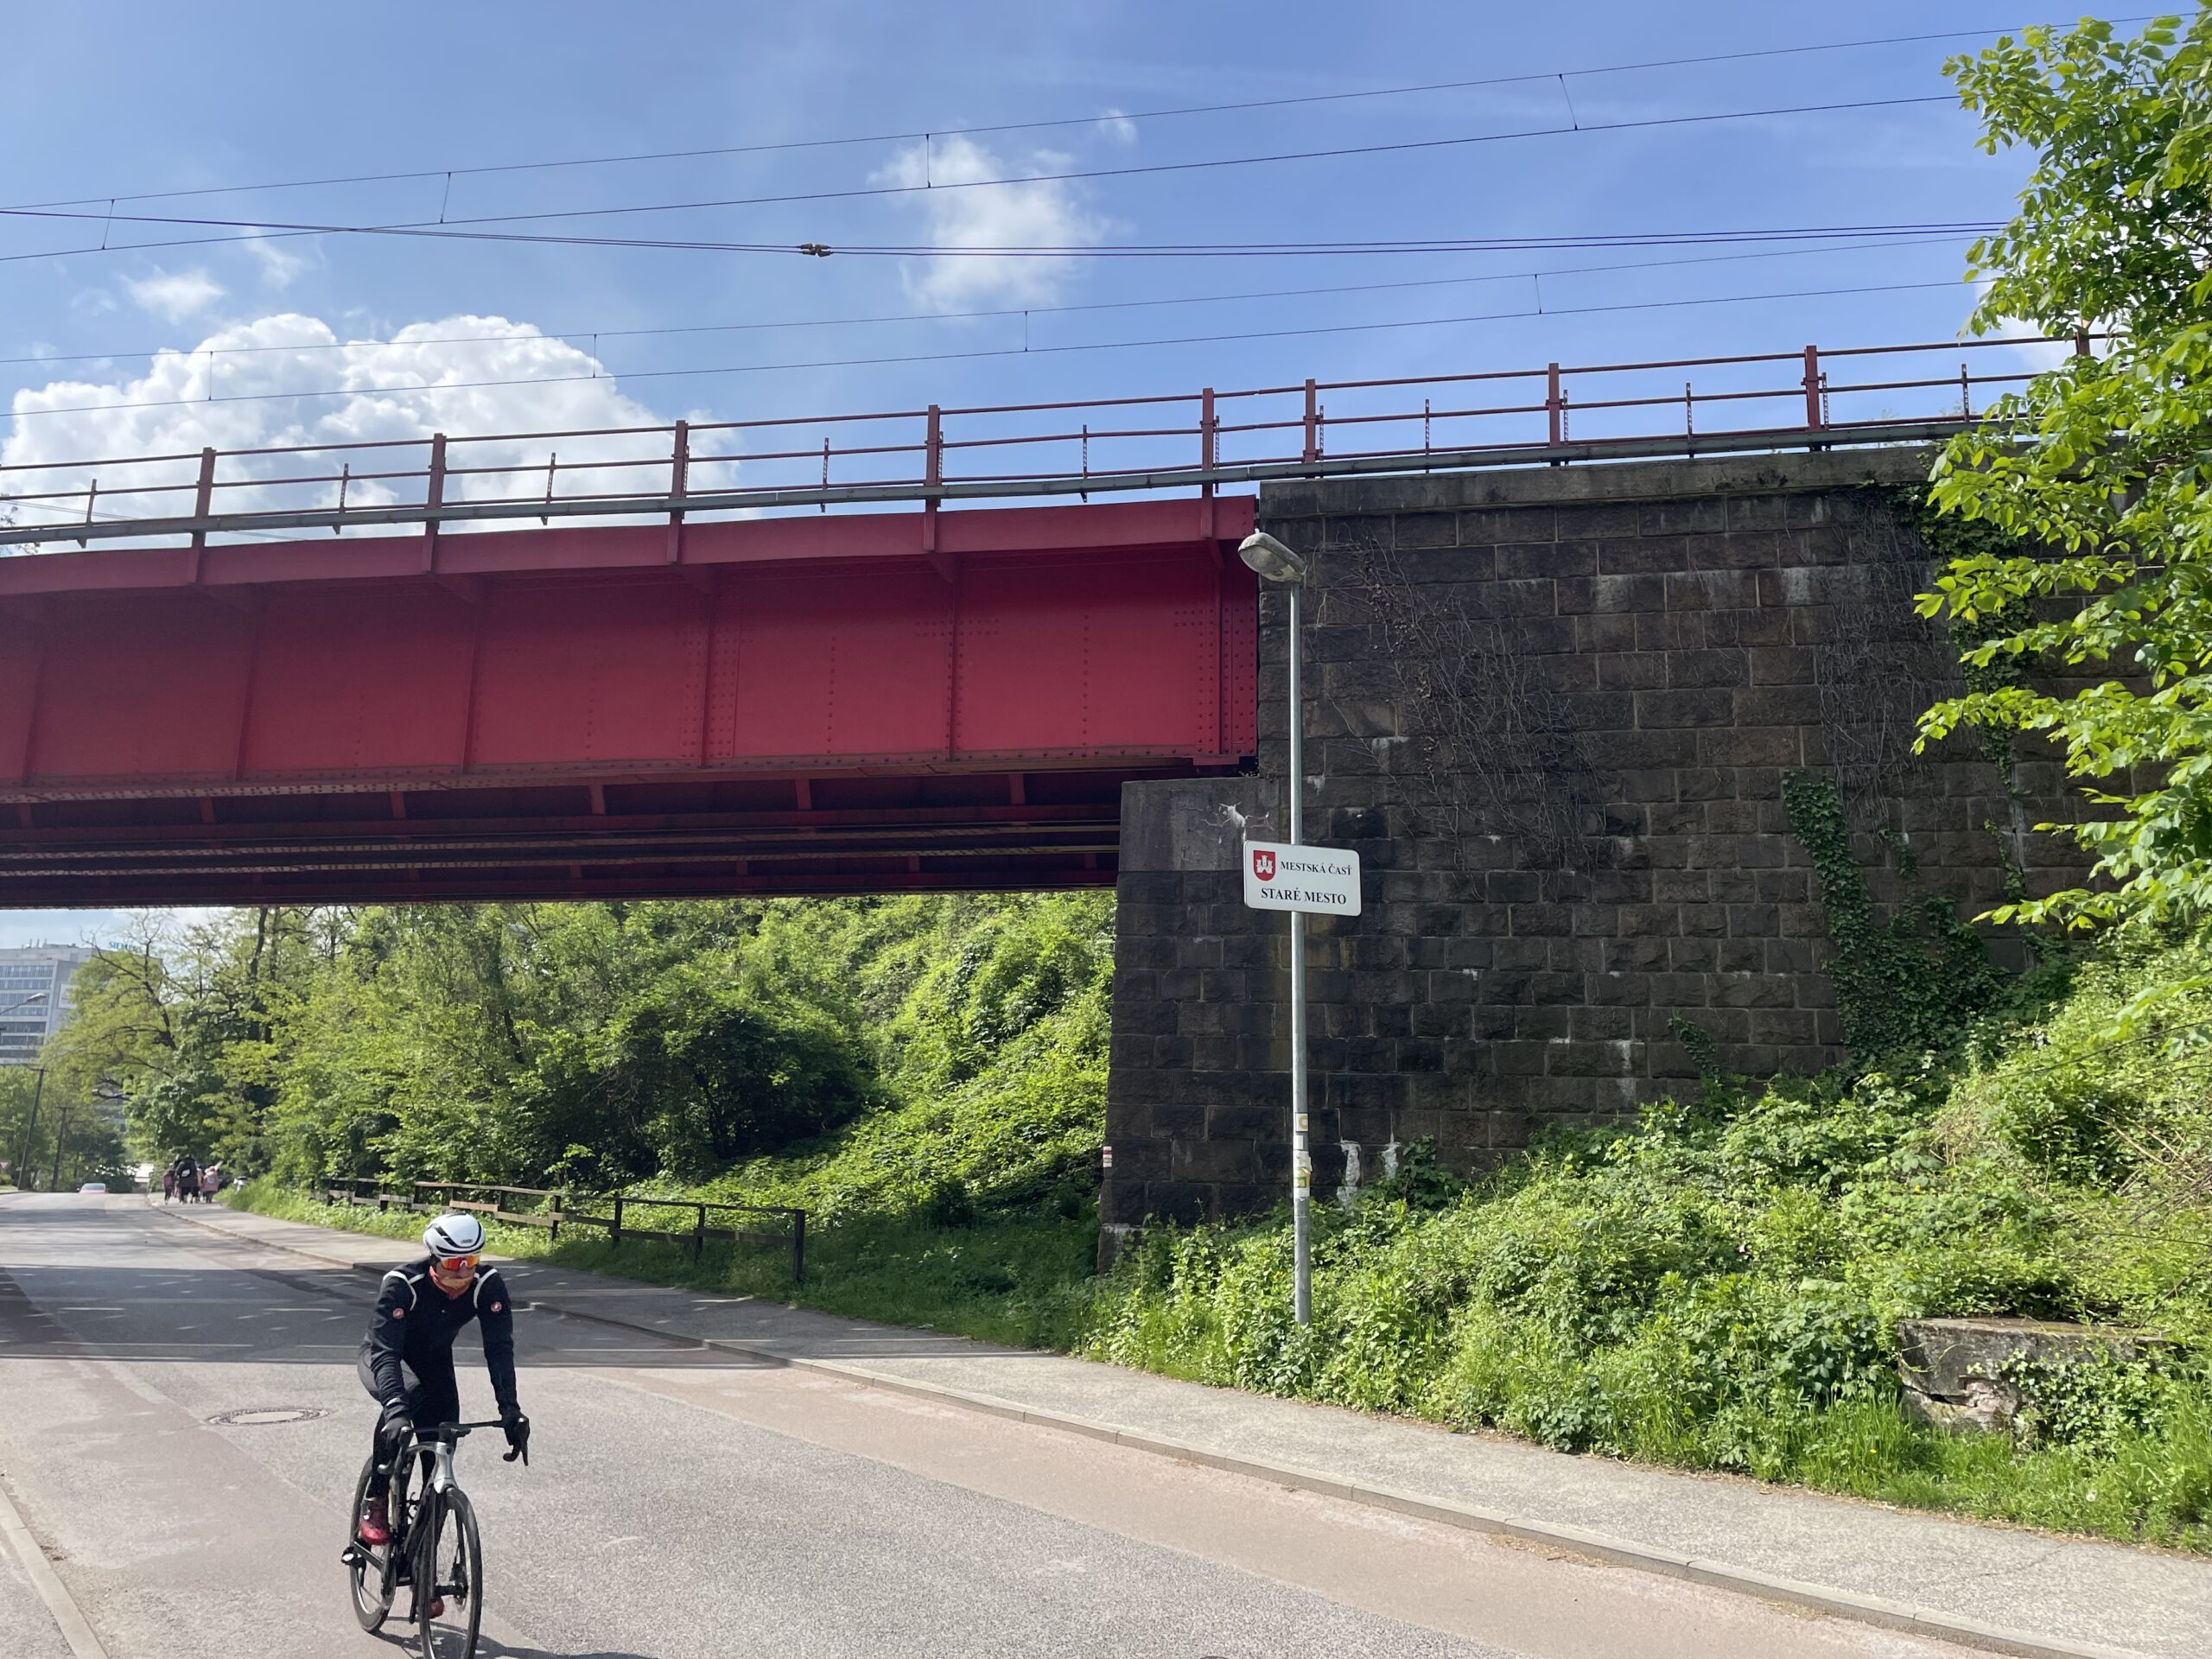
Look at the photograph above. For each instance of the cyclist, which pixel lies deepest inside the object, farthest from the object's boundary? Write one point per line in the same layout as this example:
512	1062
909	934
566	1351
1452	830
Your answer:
406	1360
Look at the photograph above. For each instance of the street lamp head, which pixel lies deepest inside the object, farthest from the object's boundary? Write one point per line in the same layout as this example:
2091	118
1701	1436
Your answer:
1270	559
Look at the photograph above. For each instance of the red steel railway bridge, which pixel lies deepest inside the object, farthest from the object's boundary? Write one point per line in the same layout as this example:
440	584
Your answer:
914	649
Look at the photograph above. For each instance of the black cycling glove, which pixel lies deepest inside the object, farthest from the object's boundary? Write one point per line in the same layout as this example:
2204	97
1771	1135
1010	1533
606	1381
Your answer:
518	1431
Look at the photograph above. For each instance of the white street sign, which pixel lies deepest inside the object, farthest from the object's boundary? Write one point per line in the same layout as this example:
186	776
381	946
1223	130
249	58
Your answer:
1279	876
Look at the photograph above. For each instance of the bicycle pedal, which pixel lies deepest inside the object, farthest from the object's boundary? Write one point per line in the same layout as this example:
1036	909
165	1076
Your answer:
354	1555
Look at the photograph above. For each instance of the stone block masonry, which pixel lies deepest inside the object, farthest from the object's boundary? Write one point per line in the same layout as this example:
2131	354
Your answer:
1552	710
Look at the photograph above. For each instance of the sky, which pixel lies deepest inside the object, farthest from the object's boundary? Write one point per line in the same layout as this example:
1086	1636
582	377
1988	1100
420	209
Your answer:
115	118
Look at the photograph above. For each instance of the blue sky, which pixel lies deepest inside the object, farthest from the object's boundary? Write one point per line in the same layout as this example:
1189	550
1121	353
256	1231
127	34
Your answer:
126	99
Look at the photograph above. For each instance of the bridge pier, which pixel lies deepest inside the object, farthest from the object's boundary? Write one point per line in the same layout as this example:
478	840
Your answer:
1554	711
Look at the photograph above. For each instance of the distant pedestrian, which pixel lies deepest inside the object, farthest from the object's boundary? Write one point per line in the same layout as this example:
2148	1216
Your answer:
169	1183
211	1183
187	1179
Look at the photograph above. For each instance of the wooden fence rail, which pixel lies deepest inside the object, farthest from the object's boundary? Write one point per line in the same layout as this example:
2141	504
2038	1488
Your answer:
557	1209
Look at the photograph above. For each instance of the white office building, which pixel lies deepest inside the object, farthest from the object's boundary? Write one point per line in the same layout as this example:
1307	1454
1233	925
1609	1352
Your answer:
37	992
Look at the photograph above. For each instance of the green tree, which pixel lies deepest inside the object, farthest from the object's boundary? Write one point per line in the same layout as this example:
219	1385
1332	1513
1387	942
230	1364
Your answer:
188	1028
2100	472
862	1052
25	1139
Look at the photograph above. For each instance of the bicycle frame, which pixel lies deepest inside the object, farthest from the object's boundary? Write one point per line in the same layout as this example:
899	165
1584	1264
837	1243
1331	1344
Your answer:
439	1443
441	1480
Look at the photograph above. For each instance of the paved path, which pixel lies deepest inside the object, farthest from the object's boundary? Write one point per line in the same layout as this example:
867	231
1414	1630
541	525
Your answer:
2067	1594
691	1502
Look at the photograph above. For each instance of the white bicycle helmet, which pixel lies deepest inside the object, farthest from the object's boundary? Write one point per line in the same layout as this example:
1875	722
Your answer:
454	1235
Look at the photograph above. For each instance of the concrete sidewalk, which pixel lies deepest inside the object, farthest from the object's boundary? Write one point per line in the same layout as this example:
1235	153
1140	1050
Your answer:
2007	1590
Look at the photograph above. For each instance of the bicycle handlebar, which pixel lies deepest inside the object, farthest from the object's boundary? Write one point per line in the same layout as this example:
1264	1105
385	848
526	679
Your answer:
455	1430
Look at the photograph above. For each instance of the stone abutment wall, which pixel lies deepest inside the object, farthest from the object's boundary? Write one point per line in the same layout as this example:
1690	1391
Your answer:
1554	712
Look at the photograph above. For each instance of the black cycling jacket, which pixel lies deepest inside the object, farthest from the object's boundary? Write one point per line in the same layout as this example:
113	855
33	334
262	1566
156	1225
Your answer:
416	1322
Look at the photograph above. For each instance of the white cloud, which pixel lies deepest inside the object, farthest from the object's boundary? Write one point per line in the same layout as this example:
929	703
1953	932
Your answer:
2035	351
504	377
1045	213
174	296
1118	127
280	262
2026	347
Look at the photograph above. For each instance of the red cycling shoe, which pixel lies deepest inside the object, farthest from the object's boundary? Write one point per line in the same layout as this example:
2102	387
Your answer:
375	1524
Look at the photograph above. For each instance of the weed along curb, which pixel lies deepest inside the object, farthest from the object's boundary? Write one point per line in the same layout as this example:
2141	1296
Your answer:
1574	1541
1616	1552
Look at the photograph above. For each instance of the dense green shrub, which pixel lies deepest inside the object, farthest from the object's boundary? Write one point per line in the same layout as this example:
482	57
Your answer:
993	1054
1719	1286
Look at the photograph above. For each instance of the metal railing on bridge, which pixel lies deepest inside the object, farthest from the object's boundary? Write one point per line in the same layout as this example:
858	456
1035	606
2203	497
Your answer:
1168	443
553	1208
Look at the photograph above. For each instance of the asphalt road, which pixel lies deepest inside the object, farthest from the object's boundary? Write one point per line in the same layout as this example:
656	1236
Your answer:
686	1504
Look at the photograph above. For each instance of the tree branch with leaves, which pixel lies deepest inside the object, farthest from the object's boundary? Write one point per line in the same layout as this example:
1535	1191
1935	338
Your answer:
2098	471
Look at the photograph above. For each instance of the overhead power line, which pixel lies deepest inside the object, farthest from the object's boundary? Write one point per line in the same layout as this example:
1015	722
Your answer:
1043	124
473	228
1146	170
986	353
1844	233
1073	251
597	335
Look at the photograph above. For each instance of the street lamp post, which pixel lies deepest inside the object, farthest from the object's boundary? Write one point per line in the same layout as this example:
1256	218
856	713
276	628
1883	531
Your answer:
38	1093
30	1128
109	1093
60	1140
1272	562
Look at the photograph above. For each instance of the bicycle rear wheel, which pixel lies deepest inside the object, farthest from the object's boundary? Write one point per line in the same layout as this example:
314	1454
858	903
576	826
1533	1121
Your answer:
369	1570
448	1567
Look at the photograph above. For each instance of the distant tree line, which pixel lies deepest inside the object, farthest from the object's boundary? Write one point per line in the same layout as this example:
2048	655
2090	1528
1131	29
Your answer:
589	1046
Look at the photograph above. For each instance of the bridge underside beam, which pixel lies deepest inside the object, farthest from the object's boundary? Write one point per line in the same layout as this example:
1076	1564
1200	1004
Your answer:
651	839
864	703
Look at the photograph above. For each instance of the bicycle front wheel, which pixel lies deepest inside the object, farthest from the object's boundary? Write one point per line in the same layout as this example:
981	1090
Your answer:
369	1571
449	1579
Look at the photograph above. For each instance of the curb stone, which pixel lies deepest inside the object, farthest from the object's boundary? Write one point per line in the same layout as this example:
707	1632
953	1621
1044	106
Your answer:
1617	1552
68	1618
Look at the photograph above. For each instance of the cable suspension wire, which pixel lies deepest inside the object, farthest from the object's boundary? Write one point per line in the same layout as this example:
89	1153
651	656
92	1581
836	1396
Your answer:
1142	169
474	227
214	398
1099	117
1073	251
598	334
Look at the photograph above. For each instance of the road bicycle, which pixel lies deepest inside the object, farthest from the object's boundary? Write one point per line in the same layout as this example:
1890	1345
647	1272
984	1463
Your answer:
435	1550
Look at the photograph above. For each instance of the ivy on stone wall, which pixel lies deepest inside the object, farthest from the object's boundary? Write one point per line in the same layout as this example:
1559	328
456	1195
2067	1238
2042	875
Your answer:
1906	981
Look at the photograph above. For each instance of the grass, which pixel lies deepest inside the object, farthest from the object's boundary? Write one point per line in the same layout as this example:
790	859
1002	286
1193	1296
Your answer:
1016	1282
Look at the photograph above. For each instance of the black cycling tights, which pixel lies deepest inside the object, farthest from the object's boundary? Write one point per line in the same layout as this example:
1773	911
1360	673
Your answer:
433	1397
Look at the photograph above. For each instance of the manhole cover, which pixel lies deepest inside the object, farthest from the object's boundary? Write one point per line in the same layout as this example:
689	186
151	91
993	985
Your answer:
262	1416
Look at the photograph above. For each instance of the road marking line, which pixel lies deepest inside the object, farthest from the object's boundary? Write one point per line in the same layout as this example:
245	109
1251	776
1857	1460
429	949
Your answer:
83	1644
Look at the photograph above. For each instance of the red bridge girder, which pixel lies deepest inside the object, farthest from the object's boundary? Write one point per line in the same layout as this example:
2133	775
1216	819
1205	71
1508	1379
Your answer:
858	703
